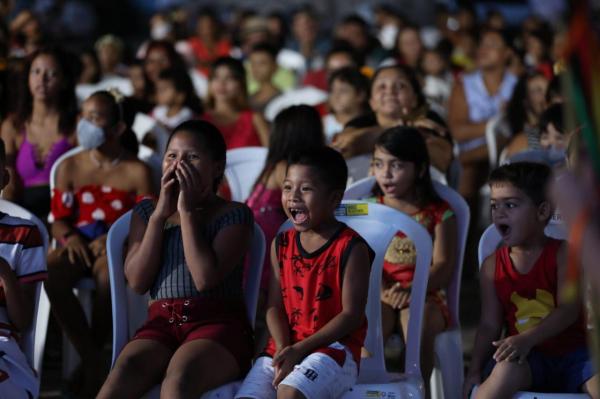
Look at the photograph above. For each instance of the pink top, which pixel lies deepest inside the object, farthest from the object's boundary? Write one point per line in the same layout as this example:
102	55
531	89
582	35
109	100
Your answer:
240	133
33	173
268	213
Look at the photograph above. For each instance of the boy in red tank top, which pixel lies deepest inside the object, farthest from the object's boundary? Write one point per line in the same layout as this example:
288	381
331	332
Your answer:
318	293
521	284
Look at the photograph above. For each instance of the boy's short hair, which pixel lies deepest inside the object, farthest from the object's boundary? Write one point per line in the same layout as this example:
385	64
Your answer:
2	152
264	47
530	177
353	77
328	163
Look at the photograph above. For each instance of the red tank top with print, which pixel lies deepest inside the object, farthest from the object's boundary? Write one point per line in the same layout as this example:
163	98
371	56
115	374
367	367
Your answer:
526	299
401	256
311	288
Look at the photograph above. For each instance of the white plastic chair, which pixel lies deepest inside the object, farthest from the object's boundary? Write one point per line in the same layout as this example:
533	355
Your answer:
129	309
308	95
447	375
378	228
31	340
243	168
491	141
488	243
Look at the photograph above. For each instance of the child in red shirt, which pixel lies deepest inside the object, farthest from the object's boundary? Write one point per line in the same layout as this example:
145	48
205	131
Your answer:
545	344
318	291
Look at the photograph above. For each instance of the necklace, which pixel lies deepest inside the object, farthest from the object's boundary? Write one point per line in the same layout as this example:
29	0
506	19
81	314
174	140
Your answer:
112	163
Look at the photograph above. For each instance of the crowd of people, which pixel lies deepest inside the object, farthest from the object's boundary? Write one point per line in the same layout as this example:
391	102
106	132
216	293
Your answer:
474	101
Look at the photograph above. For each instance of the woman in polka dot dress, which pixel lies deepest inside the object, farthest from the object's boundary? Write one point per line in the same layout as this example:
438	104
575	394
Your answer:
93	189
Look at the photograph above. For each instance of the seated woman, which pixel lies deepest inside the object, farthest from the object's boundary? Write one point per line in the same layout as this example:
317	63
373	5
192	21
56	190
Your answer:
93	189
397	99
40	130
228	109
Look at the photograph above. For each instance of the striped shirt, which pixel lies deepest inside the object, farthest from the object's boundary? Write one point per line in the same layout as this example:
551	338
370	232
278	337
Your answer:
174	279
21	246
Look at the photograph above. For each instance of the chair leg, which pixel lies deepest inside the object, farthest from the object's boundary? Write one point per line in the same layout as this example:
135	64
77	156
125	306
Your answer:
41	330
70	356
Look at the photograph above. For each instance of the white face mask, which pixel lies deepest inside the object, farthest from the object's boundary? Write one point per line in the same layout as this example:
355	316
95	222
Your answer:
89	135
160	31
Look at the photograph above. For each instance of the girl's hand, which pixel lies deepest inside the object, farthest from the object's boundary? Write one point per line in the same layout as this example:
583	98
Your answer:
396	296
167	201
284	362
78	250
511	348
98	246
191	190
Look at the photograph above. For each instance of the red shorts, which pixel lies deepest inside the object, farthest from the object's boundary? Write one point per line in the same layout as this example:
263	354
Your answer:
173	322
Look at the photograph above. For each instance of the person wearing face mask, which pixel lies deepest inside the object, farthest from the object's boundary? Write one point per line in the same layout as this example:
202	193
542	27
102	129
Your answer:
93	189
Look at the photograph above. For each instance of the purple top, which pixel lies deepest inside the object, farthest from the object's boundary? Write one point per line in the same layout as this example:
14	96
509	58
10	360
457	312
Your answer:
26	166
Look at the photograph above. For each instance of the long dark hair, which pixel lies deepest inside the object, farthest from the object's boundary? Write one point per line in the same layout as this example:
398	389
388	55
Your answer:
517	107
66	102
236	67
408	145
182	83
296	129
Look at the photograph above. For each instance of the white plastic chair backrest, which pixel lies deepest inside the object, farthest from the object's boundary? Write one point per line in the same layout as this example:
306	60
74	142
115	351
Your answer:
126	319
28	338
363	189
490	139
358	167
378	228
463	217
243	168
308	95
54	169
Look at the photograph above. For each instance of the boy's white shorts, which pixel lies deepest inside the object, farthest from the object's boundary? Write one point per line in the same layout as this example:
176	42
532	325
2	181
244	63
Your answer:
317	377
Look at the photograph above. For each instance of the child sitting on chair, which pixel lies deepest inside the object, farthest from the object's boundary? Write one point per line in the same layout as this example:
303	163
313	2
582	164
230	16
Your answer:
187	250
22	266
521	286
318	289
401	167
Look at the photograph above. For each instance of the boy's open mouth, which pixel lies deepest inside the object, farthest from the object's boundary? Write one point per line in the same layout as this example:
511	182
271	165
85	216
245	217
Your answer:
299	215
504	229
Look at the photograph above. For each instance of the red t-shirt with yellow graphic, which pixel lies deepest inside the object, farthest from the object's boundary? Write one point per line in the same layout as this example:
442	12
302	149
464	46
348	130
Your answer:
526	299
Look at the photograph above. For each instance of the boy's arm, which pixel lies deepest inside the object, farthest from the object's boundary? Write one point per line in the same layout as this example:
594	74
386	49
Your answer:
277	320
565	314
490	325
355	289
19	297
